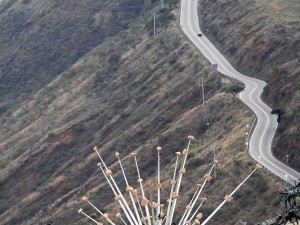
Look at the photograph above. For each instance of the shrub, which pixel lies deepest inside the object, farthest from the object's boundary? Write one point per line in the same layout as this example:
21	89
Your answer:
279	113
164	17
114	59
171	2
197	67
26	2
173	60
51	136
194	163
234	89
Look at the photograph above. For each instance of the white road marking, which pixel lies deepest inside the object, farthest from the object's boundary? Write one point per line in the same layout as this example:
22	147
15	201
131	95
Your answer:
256	148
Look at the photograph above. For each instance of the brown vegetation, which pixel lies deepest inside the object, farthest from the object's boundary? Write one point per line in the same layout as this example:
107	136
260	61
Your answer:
262	39
130	92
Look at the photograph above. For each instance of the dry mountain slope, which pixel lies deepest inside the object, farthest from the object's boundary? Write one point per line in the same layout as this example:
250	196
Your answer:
41	39
131	92
262	39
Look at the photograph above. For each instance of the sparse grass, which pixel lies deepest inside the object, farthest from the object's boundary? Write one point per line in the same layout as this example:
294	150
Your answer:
143	102
261	39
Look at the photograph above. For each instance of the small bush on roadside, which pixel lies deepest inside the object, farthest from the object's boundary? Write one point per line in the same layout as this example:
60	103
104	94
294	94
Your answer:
279	113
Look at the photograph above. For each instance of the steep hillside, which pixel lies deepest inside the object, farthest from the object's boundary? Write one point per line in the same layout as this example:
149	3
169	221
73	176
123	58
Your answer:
262	39
130	92
41	39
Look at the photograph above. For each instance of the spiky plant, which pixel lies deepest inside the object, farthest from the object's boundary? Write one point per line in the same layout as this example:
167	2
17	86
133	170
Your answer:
145	211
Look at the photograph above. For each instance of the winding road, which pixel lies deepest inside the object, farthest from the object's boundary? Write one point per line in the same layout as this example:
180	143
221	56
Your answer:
261	139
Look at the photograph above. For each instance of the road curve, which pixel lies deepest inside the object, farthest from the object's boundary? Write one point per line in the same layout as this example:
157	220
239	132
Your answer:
262	136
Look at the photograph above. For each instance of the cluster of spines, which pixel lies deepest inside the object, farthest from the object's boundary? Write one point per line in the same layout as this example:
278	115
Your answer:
153	211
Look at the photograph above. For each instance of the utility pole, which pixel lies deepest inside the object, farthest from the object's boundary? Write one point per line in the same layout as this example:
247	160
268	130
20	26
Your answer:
154	25
247	134
207	124
203	99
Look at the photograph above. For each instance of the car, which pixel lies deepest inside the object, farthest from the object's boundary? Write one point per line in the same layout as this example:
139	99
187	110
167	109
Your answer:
199	35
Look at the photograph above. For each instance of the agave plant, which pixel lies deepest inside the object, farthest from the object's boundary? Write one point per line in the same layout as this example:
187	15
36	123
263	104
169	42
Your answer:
140	210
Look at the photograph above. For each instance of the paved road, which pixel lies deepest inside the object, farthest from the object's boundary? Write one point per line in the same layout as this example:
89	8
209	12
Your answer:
262	136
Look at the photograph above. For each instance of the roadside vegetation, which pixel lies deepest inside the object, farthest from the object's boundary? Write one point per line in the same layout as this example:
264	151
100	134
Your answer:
234	89
262	39
131	91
